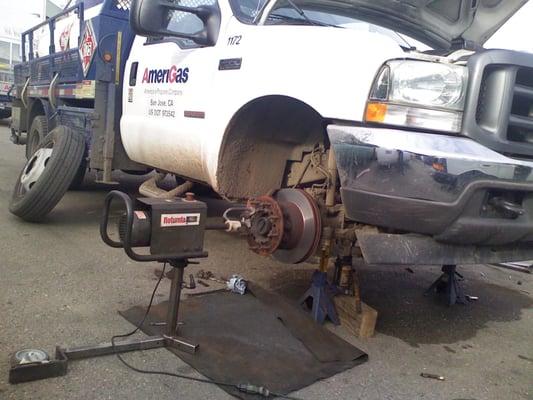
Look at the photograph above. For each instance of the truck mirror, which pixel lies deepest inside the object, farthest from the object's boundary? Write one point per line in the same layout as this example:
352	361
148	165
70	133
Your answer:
169	18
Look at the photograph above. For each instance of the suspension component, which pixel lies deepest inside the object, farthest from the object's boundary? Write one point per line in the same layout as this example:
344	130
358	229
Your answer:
265	225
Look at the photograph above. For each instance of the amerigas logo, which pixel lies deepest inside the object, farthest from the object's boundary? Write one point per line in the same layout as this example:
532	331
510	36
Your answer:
170	75
180	219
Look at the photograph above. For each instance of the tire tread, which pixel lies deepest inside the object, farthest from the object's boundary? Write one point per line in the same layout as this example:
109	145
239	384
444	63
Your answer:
69	149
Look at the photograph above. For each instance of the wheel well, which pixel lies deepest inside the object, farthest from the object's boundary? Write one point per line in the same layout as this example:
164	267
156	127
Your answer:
39	107
261	138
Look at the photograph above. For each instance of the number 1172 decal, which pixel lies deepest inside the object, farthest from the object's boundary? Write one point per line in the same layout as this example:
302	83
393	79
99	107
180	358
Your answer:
234	40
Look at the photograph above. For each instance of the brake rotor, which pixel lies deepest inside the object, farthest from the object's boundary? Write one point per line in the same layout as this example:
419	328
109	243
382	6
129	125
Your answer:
302	226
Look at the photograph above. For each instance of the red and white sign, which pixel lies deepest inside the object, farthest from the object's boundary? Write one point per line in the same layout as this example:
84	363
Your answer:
64	38
87	47
4	87
140	214
179	219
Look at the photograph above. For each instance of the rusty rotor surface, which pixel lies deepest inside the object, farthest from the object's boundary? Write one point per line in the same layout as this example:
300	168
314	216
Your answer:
302	226
266	230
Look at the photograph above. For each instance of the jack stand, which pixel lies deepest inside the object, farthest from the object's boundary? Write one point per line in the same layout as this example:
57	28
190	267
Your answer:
449	284
25	372
321	295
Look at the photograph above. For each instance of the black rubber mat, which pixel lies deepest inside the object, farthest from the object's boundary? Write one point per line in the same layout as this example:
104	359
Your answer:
259	338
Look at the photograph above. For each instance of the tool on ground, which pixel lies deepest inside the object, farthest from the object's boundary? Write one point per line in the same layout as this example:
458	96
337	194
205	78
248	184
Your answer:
192	283
432	376
208	275
525	266
237	284
173	230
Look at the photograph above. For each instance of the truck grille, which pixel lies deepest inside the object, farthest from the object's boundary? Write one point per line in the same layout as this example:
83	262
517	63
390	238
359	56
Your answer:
123	5
499	106
520	127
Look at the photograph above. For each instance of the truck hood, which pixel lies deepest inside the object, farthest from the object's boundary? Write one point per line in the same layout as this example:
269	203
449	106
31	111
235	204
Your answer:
435	22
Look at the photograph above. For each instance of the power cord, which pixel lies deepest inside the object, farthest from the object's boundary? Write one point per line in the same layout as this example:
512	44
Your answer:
242	387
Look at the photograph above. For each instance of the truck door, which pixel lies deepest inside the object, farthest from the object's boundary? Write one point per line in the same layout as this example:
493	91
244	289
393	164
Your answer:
165	103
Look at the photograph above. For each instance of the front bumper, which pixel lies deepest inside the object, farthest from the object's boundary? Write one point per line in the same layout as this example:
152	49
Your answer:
449	187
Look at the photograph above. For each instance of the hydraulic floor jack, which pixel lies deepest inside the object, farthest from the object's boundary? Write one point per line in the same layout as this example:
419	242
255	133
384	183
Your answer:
161	225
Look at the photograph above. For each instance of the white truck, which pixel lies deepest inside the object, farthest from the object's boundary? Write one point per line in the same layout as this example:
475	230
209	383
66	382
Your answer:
328	124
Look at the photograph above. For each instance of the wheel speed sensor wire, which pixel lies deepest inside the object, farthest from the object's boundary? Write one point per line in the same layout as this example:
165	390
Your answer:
242	387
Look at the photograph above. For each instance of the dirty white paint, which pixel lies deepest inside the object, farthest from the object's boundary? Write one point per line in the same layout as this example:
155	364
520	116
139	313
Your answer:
330	69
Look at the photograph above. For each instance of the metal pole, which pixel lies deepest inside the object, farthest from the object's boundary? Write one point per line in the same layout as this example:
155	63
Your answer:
109	143
174	302
332	171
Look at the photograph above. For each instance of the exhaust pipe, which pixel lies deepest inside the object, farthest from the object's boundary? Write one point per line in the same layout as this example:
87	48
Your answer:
149	188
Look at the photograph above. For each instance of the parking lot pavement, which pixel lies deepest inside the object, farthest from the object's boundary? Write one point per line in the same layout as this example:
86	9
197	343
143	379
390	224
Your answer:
59	284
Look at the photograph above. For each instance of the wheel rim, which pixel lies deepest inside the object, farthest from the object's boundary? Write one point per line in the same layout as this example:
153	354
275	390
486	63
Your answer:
34	169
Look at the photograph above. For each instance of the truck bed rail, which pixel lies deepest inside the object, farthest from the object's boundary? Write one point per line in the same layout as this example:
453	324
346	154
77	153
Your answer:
41	70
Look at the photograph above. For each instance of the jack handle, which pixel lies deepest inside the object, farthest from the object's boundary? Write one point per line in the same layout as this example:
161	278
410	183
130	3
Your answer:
105	219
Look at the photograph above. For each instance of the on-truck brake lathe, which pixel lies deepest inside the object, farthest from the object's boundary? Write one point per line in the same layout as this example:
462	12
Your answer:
173	232
170	231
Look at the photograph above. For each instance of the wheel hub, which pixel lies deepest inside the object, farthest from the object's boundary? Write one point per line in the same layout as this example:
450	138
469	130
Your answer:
266	225
34	168
286	225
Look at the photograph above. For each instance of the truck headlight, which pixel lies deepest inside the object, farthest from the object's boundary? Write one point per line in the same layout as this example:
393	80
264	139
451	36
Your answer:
419	94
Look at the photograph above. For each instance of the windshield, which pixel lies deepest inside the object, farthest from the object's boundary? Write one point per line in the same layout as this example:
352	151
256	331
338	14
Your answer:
289	12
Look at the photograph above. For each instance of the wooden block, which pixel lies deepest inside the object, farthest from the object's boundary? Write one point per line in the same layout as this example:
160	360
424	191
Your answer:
361	324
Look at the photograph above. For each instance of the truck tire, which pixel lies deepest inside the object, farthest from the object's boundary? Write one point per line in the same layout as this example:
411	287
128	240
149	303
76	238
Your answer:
37	132
48	174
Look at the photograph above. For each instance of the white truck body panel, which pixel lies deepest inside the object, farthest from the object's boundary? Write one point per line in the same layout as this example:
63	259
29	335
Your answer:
190	146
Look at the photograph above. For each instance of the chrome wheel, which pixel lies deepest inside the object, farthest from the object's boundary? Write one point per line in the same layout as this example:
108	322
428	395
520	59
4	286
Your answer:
34	169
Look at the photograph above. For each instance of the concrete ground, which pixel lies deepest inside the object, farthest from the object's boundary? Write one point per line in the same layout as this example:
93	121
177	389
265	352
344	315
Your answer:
59	284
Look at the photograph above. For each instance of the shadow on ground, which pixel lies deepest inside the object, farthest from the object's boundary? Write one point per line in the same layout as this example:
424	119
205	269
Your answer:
405	313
